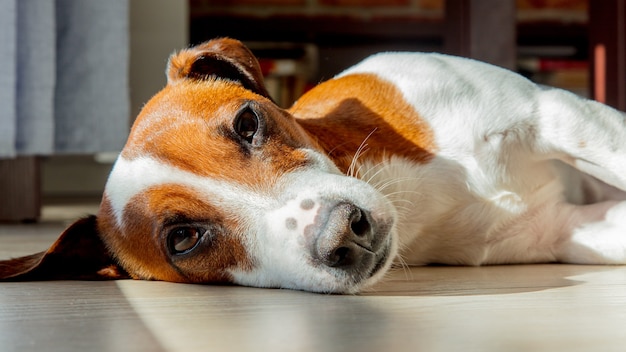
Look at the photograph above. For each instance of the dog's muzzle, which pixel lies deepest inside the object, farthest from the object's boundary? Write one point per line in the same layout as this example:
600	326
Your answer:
336	234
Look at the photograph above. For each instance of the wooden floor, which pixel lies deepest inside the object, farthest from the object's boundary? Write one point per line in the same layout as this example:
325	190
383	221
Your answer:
498	308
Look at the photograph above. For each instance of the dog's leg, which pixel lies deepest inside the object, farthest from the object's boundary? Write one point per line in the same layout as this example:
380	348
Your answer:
592	138
597	235
585	134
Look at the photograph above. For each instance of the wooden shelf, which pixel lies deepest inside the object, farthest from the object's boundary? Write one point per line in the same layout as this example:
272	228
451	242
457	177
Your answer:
555	34
316	30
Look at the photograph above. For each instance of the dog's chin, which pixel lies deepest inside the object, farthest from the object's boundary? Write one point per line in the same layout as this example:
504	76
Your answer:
356	281
382	264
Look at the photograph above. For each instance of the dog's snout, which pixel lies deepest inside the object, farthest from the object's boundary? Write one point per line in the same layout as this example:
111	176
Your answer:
345	240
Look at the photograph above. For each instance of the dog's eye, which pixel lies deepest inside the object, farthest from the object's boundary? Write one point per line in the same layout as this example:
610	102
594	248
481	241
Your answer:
184	239
246	125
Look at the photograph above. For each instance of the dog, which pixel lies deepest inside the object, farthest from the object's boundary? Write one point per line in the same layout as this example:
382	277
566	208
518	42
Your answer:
405	158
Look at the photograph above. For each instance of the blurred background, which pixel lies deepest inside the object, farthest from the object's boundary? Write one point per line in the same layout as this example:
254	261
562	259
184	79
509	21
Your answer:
95	63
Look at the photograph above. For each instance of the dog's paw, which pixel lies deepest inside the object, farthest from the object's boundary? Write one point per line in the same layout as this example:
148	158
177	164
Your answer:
600	242
617	215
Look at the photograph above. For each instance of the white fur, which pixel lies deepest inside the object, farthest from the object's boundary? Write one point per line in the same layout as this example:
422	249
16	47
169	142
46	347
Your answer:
496	193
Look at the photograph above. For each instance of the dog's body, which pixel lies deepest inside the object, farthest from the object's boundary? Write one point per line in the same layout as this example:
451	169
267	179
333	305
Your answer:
423	158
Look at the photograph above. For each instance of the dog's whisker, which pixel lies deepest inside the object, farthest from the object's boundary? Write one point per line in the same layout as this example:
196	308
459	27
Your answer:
378	172
332	150
402	209
378	167
382	186
399	200
392	194
406	268
358	170
360	150
354	165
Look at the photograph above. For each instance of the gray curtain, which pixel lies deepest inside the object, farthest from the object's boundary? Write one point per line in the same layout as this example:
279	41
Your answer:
63	76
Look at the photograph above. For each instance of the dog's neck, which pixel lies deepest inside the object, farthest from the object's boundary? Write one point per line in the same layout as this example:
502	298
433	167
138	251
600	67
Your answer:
349	142
349	122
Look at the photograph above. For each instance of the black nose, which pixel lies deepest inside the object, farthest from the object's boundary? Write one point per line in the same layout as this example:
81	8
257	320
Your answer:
345	239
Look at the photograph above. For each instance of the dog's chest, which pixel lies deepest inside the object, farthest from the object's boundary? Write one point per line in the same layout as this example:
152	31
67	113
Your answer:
448	216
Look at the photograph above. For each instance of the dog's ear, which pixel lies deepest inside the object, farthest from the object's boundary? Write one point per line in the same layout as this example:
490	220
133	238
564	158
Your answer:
219	58
78	254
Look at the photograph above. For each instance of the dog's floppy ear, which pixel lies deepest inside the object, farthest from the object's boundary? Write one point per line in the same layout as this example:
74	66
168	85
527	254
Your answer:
220	58
78	254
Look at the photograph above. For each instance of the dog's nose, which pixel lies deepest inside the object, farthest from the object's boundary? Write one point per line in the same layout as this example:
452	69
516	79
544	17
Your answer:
345	240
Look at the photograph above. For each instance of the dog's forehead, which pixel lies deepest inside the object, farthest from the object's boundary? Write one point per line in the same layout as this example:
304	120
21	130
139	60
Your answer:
185	114
189	125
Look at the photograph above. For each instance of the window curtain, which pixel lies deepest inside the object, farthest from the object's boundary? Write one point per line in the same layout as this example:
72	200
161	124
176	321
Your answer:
63	76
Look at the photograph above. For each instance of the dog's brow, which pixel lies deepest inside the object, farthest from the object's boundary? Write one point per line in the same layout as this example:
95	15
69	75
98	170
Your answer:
180	219
132	177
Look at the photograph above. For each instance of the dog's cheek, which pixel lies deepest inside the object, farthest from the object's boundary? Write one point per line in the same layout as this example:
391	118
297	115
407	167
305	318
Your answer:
226	255
133	244
293	159
275	255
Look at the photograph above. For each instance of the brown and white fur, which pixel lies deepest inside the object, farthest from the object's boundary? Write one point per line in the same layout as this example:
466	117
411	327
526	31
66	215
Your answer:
408	157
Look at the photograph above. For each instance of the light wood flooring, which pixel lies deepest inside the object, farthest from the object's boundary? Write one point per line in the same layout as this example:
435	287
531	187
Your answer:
496	308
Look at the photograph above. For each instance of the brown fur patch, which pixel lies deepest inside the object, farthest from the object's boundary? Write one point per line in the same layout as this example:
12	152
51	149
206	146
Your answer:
187	125
142	244
341	113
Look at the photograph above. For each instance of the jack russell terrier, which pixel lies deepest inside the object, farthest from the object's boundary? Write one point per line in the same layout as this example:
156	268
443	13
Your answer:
409	158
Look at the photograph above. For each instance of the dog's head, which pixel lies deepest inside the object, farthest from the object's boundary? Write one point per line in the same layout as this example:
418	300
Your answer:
217	184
